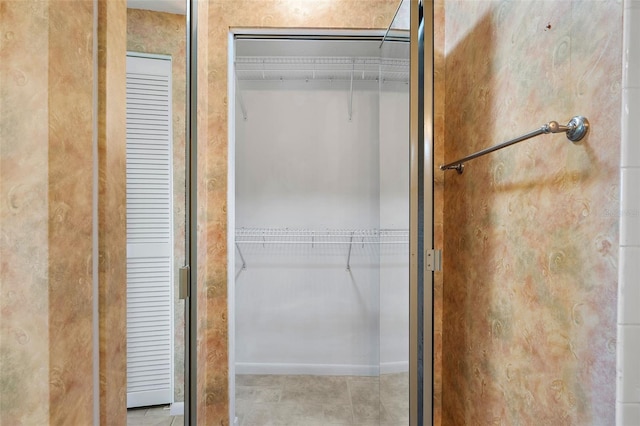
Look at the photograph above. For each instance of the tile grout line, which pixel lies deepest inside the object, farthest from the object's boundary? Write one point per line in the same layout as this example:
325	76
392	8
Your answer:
353	416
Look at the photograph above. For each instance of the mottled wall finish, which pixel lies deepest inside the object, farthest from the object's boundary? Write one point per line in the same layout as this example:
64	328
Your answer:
112	22
202	213
46	212
165	33
438	198
532	230
24	220
223	14
71	111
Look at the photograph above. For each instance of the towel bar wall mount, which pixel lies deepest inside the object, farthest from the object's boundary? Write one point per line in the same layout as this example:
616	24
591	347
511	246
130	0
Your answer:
576	129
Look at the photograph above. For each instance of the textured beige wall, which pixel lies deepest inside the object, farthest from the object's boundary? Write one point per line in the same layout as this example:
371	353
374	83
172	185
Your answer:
24	221
438	199
46	220
71	77
202	213
165	33
112	21
553	362
46	180
531	250
222	15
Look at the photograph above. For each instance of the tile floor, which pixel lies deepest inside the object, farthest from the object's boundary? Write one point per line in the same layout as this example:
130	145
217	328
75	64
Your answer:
322	400
153	416
306	401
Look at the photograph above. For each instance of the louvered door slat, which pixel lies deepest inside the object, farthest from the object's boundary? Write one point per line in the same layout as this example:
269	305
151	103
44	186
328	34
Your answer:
149	232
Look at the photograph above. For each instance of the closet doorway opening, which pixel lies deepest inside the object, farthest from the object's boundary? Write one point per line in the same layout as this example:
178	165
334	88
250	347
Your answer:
319	164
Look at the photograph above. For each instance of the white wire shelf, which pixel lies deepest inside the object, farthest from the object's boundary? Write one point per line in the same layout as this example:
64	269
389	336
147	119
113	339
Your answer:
328	236
316	68
349	237
321	68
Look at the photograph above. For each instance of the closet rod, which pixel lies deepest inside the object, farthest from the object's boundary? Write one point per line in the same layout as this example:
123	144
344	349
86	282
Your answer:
576	129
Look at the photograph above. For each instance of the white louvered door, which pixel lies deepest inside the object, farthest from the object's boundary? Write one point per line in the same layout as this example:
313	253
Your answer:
149	232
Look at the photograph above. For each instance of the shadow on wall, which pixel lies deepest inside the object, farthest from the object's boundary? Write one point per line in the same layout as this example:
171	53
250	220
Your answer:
467	70
531	250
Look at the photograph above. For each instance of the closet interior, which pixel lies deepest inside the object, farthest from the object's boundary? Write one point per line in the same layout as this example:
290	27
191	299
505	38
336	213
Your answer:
321	230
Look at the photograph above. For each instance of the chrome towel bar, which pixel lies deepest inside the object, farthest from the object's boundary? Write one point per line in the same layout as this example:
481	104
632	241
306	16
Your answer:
576	129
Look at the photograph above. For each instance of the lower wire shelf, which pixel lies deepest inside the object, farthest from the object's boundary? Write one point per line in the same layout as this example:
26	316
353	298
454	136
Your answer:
350	237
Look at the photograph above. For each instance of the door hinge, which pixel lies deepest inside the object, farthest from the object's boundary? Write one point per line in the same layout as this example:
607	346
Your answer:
434	260
184	278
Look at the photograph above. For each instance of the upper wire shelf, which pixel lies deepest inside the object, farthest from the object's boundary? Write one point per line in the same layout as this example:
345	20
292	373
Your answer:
321	68
328	236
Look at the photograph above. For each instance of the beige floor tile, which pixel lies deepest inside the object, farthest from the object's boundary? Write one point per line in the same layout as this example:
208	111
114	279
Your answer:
372	381
322	401
283	414
315	389
259	380
327	424
242	408
396	383
365	400
150	421
163	411
258	393
394	398
364	391
366	411
136	412
396	408
150	416
338	414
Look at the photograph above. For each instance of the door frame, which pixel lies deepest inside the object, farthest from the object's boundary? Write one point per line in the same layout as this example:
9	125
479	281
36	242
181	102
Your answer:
188	281
266	33
421	206
421	210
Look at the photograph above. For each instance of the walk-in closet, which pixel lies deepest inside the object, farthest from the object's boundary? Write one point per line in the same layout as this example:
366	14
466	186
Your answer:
321	230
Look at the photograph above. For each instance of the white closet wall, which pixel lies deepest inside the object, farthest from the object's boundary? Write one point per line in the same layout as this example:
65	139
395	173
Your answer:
302	164
394	214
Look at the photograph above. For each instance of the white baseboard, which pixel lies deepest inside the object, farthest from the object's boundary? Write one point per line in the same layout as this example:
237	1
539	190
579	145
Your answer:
307	369
177	409
394	367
